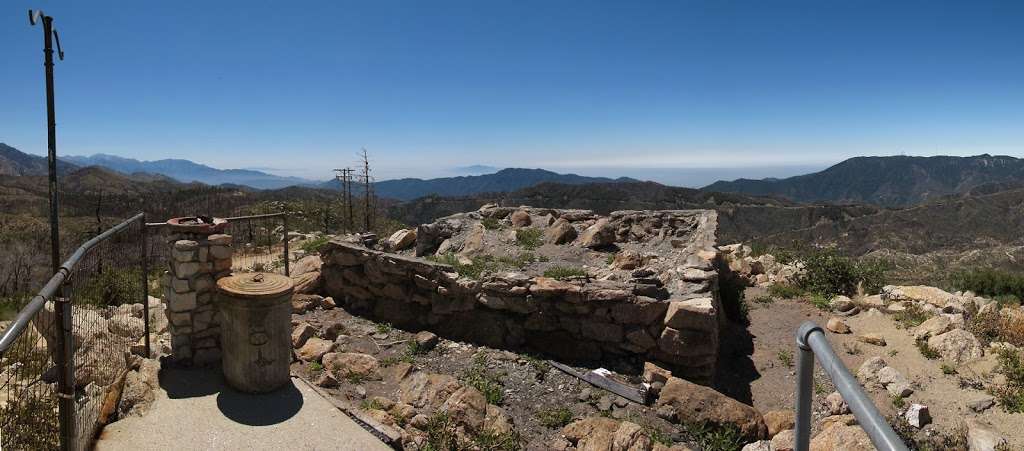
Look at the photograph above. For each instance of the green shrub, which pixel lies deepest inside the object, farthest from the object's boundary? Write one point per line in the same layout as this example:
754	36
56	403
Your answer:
1005	287
911	316
555	417
478	377
716	438
313	245
480	265
829	273
784	291
927	351
564	272
491	223
1010	394
529	238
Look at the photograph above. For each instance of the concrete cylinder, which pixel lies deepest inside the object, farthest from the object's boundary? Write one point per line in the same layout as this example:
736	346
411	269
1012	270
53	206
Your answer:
255	312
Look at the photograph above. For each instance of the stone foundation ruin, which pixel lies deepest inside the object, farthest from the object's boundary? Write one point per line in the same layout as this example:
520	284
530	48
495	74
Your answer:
631	287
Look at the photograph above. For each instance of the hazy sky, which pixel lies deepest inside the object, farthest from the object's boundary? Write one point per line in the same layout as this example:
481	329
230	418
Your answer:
594	87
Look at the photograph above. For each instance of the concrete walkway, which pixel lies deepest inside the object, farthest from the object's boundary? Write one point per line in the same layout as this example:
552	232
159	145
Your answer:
195	410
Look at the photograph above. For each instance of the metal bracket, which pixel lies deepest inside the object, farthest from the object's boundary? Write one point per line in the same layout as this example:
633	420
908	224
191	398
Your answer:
805	330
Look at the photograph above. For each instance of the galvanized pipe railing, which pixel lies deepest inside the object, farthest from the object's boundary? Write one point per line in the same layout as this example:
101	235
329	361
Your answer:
812	343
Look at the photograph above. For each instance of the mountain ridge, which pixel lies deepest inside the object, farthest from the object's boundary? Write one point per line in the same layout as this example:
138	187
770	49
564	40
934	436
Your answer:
891	181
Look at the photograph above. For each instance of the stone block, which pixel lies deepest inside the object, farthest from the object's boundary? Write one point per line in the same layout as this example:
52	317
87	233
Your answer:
203	283
185	270
186	245
180	285
220	252
697	313
609	332
219	239
181	302
221	264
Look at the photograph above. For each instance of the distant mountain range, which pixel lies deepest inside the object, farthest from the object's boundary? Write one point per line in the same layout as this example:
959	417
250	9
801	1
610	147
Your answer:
502	181
16	162
888	181
188	171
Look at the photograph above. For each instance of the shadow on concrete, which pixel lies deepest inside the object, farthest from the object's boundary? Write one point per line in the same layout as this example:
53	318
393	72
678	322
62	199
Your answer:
262	409
244	408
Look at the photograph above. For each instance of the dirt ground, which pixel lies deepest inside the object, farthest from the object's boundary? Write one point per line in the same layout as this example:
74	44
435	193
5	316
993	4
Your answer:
772	327
530	388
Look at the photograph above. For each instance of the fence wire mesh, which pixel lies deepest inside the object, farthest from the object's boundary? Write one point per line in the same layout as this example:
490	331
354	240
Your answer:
106	292
28	405
258	244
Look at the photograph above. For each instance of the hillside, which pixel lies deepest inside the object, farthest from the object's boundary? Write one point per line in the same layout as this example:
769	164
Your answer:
16	162
188	171
887	181
505	180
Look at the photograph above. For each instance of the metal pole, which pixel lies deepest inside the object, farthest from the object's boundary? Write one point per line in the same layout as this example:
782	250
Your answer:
287	269
51	143
804	395
65	372
145	283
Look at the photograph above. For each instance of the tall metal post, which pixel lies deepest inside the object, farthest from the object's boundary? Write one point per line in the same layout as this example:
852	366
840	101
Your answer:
62	305
287	264
144	236
804	395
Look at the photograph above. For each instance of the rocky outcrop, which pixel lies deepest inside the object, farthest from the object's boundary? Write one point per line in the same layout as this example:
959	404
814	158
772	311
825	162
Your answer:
685	402
956	346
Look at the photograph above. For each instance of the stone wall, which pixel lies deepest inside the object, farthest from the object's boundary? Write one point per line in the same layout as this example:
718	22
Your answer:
190	284
668	312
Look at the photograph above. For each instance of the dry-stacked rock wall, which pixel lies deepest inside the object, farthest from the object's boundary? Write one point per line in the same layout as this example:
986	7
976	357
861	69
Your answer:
666	310
197	261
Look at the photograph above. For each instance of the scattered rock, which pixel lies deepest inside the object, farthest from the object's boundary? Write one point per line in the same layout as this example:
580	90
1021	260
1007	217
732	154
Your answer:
933	326
838	326
841	304
872	339
836	404
426	340
401	239
628	260
981	404
784	440
981	437
868	371
520	218
302	303
308	264
760	445
956	346
326	379
314	349
301	333
917	415
426	391
840	437
348	364
778	421
685	402
599	235
894	382
560	232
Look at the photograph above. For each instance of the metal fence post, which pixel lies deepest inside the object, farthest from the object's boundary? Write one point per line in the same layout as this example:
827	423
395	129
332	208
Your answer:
65	370
144	237
287	269
804	386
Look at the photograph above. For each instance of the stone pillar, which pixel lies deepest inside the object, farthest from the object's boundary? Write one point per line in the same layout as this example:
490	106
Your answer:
190	285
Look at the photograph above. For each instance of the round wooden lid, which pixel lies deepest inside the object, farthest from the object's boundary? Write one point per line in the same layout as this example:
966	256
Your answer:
255	285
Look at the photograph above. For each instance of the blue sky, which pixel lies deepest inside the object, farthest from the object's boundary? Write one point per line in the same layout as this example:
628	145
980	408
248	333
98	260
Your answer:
609	88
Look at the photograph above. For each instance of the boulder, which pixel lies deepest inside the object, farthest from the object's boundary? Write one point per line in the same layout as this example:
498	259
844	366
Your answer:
302	303
126	326
628	260
956	346
933	326
917	293
917	415
872	339
836	325
841	304
760	445
520	218
307	264
560	232
426	340
467	407
314	349
401	240
981	437
840	437
605	434
346	364
139	389
307	283
685	402
868	371
426	391
301	333
474	243
982	403
784	440
778	421
894	382
599	235
836	404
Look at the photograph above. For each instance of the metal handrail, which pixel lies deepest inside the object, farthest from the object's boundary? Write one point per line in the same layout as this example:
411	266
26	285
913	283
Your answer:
49	290
812	343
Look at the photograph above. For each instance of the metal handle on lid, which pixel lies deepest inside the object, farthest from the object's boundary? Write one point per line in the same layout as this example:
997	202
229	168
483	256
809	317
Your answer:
258	277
